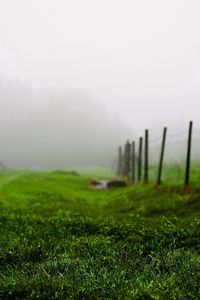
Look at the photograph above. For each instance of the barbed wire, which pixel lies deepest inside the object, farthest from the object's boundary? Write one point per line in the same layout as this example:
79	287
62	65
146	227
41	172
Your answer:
175	155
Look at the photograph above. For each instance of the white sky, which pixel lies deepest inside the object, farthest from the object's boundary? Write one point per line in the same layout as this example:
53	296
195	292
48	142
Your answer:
140	57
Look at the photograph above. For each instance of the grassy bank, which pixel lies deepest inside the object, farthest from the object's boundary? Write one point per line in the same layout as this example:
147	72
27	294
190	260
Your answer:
60	239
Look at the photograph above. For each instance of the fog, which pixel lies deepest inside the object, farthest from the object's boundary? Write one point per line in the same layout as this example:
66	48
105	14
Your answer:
78	77
49	128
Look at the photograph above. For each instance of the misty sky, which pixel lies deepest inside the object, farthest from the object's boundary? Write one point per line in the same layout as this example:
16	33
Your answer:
140	58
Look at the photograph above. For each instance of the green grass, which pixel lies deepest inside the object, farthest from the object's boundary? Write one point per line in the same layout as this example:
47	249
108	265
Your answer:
173	174
61	239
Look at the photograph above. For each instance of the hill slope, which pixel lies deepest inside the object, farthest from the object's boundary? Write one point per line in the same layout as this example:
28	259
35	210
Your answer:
60	239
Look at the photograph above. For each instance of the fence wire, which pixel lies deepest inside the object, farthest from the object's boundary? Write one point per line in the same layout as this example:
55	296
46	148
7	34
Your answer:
175	154
174	160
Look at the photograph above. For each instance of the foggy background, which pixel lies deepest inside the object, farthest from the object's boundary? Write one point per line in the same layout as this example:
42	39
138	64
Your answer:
79	77
50	128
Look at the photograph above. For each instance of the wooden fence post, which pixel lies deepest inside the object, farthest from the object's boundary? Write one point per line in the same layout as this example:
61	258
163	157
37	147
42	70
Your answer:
188	157
133	162
140	159
161	156
123	160
119	170
146	156
127	159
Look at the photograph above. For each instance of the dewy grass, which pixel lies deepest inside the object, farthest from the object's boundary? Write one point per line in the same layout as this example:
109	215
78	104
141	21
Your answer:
61	239
173	174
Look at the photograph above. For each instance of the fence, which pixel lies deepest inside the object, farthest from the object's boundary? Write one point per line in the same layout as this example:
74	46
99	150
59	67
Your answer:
169	159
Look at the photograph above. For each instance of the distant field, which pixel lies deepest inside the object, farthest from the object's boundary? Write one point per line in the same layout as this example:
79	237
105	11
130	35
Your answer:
61	239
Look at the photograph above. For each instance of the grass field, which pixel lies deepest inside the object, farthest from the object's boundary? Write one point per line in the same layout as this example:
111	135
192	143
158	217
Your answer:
61	239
